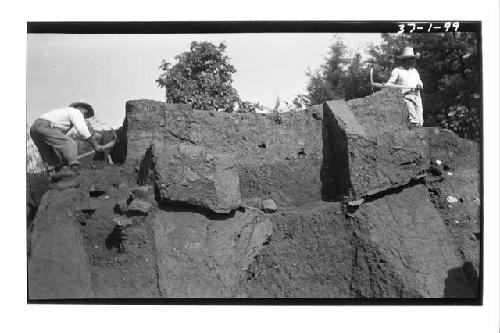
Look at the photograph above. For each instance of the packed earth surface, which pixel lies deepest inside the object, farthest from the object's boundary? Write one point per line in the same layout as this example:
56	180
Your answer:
341	200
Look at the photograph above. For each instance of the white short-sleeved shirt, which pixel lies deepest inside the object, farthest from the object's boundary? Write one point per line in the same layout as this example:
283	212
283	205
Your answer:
66	118
405	77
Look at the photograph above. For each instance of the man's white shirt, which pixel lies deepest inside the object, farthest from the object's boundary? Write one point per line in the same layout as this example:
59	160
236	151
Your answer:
405	77
66	118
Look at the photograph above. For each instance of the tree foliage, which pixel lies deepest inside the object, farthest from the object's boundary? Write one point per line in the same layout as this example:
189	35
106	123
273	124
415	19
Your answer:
342	76
202	78
448	67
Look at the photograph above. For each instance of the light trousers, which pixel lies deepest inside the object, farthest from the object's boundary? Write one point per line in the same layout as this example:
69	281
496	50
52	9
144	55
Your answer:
415	110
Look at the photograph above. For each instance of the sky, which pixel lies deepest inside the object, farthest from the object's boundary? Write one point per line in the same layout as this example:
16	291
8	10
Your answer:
108	70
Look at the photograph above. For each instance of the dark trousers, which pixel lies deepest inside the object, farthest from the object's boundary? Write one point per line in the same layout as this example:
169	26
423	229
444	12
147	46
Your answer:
54	146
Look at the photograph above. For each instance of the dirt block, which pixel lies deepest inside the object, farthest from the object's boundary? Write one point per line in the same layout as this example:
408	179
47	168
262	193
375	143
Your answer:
140	192
202	257
283	161
269	206
366	162
193	175
310	255
138	207
147	121
403	249
380	113
57	264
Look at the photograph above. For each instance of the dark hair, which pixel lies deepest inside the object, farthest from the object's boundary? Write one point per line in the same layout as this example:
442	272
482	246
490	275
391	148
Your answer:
85	106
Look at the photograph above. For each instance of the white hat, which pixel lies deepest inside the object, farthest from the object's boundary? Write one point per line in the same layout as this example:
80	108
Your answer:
408	53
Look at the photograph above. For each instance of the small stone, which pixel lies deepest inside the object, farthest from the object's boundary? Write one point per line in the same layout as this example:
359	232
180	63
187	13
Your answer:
269	206
252	202
140	192
122	222
450	173
356	202
451	199
138	207
456	222
438	162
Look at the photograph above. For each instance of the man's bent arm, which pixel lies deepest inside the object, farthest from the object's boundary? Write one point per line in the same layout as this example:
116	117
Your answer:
393	78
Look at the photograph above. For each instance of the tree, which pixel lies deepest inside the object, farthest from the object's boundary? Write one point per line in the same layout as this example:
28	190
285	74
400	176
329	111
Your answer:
326	83
202	78
342	76
355	84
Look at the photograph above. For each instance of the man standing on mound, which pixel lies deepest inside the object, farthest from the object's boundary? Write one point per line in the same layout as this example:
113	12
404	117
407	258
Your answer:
407	75
49	135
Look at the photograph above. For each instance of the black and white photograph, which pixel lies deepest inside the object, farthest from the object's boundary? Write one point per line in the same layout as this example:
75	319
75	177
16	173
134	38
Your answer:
249	166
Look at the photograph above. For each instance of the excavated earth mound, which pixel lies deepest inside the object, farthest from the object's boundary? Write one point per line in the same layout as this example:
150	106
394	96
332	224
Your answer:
181	217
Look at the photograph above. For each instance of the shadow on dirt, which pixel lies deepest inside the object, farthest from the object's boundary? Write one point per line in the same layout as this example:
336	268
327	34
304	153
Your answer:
36	186
184	207
335	166
460	282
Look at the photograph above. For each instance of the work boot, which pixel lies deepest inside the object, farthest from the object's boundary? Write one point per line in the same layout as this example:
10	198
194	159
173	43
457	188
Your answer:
65	173
53	170
75	168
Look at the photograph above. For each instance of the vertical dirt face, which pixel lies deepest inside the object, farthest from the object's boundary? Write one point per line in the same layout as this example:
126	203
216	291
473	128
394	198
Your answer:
192	174
411	240
310	255
199	256
336	184
58	266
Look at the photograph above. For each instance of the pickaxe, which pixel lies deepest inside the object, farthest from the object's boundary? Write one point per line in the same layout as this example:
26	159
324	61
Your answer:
382	85
105	146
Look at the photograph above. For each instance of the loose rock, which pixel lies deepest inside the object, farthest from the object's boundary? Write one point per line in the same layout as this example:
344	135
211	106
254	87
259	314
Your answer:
140	192
123	222
138	207
269	206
